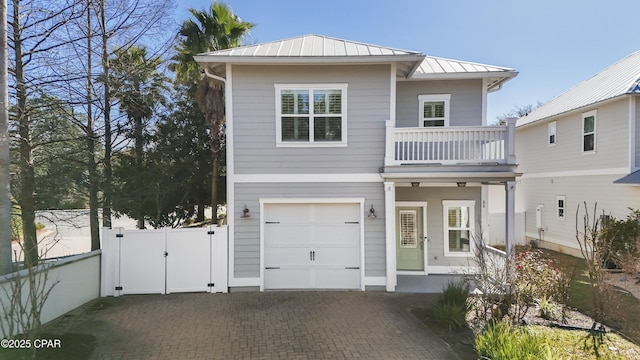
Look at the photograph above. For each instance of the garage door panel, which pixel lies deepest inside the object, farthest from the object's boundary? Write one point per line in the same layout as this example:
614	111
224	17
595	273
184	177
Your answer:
337	234
331	232
337	279
287	234
294	278
336	213
283	256
287	213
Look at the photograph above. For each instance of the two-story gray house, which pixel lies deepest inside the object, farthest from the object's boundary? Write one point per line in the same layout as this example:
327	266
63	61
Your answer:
351	166
581	147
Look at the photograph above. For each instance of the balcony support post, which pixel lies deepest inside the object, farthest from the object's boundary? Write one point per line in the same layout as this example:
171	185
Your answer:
510	141
389	151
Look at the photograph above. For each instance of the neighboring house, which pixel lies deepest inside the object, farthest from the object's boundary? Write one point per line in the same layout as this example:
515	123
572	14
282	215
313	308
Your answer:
351	164
581	147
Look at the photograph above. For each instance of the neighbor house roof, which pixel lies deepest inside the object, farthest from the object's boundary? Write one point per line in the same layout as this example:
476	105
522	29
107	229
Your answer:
314	49
619	79
631	179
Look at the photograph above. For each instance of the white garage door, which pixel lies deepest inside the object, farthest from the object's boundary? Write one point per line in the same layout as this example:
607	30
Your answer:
312	246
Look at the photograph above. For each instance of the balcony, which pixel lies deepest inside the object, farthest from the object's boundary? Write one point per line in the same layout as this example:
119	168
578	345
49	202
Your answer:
456	145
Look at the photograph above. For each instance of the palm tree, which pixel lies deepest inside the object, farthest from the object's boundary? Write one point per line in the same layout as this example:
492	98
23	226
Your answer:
138	85
218	28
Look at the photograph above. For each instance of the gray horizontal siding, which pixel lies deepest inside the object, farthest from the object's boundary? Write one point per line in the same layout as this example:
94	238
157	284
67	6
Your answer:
254	120
247	231
611	198
637	122
612	142
435	222
465	106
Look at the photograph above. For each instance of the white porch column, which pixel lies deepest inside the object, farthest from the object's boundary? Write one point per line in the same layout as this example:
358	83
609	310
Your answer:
390	233
485	227
510	143
389	148
510	216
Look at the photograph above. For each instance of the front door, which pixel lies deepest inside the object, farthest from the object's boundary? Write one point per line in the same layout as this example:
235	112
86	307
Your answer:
410	238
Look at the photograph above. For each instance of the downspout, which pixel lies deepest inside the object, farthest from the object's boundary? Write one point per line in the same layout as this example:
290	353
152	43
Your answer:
214	76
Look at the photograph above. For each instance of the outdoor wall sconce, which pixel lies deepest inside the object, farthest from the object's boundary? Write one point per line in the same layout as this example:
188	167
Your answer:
245	213
461	184
372	212
415	184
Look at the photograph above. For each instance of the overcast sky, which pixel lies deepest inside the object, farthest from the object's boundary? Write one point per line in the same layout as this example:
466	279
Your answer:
554	44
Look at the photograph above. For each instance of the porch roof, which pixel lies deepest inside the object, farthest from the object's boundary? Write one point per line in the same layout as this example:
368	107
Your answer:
451	176
631	179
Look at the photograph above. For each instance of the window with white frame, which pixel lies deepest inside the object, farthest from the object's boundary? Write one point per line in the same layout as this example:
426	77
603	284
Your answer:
459	218
311	114
589	131
561	203
551	131
434	110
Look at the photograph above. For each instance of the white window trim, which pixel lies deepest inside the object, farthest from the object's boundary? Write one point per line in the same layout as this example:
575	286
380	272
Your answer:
552	125
433	97
446	204
564	208
311	142
593	113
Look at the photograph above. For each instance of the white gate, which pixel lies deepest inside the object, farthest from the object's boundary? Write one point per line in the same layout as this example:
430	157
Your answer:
164	261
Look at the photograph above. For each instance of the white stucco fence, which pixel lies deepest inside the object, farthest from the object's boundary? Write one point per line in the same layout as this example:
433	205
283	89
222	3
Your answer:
78	282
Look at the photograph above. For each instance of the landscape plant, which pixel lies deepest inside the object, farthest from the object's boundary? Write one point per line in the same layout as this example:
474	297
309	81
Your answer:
503	341
452	306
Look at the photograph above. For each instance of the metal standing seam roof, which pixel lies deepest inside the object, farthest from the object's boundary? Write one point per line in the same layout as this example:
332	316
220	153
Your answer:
619	79
631	179
310	46
304	48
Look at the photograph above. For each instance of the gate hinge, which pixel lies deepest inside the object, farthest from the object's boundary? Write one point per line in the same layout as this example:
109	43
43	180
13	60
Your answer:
166	254
119	235
211	285
210	232
118	287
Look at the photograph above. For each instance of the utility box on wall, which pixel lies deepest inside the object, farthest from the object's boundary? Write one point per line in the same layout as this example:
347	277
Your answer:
539	217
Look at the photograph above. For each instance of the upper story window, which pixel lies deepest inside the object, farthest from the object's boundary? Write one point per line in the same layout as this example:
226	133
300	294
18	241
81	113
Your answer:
434	110
459	218
561	202
551	131
311	115
589	131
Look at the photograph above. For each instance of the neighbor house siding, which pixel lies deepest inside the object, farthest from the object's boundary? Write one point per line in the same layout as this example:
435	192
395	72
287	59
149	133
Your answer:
612	142
435	222
465	106
637	133
247	231
254	120
612	199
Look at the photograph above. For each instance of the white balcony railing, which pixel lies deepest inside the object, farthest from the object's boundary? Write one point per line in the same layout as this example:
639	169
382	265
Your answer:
451	145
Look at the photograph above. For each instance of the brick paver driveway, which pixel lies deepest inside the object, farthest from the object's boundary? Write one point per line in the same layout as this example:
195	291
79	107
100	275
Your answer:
271	325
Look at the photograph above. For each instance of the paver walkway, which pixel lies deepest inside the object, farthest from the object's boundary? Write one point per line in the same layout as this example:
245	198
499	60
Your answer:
270	325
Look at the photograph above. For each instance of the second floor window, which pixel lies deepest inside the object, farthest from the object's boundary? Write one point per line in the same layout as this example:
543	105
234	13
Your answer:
311	114
434	110
589	131
552	133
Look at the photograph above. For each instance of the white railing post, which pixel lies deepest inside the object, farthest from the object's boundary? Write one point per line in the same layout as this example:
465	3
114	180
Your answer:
510	141
390	143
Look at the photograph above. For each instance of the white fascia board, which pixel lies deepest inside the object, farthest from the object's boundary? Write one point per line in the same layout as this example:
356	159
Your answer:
570	173
312	200
307	178
507	75
480	176
305	60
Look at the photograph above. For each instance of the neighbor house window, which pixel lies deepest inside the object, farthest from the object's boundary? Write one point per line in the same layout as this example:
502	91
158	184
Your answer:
589	131
561	202
434	110
311	114
459	218
551	127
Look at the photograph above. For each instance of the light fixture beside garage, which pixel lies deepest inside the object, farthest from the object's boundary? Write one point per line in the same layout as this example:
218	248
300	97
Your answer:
415	184
245	212
372	212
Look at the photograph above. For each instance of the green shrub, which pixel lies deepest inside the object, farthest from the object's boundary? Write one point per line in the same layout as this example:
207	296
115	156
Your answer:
452	306
455	293
452	316
501	341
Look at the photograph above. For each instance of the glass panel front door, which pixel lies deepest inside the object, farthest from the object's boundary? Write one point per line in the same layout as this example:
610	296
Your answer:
409	238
